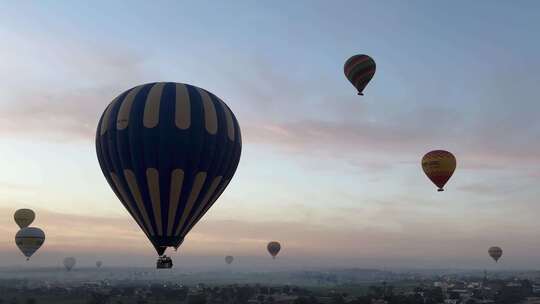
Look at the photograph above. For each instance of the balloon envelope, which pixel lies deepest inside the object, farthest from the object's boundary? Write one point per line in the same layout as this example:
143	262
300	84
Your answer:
439	165
168	151
69	263
273	248
24	217
29	240
98	264
495	253
229	259
359	69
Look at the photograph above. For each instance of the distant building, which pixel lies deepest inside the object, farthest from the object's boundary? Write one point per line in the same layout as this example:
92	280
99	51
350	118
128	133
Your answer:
532	300
536	288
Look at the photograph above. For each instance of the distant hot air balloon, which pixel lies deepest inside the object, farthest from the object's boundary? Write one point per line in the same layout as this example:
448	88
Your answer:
168	151
229	259
439	165
273	248
98	264
495	253
359	69
24	217
69	262
29	240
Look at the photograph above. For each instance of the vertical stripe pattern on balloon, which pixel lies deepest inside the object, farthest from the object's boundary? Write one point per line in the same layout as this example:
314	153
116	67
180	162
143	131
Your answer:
168	150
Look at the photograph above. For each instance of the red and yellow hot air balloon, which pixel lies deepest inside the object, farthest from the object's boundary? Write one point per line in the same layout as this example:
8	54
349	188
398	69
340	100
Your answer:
359	69
439	165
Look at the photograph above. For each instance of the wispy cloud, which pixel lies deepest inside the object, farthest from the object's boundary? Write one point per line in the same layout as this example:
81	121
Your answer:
57	87
277	108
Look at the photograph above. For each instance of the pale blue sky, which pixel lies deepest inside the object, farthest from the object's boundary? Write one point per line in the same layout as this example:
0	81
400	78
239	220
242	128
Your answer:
325	171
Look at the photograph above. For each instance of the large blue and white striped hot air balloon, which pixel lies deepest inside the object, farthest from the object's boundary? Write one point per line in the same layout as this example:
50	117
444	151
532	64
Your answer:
168	150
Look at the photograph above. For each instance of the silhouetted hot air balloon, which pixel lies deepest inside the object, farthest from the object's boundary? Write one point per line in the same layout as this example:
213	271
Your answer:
29	240
168	151
24	217
439	165
359	69
98	264
495	253
69	263
273	248
229	259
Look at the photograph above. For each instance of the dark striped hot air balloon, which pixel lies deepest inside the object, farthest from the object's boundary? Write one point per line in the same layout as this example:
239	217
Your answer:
359	69
273	248
439	165
168	151
29	240
495	253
